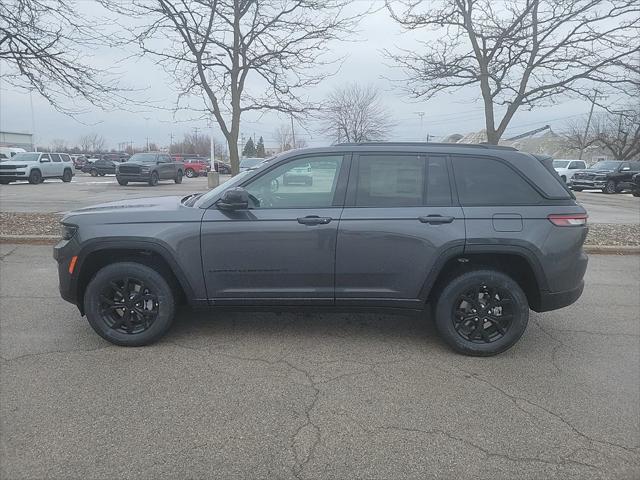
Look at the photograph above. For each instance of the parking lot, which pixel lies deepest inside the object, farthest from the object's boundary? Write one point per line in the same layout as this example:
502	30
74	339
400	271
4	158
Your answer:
84	190
250	395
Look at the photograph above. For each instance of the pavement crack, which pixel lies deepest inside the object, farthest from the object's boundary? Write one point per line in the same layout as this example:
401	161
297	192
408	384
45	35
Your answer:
51	352
9	253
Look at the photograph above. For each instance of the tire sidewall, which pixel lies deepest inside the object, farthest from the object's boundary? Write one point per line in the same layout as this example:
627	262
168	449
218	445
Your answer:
178	178
451	292
153	180
610	187
66	176
157	284
190	173
35	177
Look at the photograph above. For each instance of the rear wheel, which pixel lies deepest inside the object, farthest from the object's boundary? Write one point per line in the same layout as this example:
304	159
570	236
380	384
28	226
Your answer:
190	172
482	313
66	176
35	177
129	304
122	182
153	180
610	187
178	178
94	172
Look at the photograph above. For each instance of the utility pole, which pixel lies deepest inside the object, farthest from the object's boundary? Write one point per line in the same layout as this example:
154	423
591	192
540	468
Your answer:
147	144
170	142
195	141
293	133
421	115
586	130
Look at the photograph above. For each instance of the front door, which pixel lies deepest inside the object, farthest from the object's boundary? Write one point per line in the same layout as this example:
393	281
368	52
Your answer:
281	250
46	166
399	220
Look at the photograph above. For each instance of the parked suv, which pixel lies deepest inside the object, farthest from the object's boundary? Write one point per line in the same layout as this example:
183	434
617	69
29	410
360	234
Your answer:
610	176
149	167
480	234
36	167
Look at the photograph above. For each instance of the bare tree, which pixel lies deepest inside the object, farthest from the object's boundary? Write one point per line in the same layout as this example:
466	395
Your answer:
619	133
241	55
92	143
354	113
43	48
519	54
59	145
284	139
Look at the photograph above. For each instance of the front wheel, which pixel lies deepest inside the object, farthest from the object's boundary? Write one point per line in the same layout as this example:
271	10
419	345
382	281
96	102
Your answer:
35	177
610	187
122	182
94	172
482	313
178	178
129	304
153	180
576	189
4	181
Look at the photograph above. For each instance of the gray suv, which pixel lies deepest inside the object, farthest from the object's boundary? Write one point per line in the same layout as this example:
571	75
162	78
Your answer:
475	233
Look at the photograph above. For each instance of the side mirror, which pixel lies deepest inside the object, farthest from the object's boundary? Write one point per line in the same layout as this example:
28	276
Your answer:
44	160
625	169
236	198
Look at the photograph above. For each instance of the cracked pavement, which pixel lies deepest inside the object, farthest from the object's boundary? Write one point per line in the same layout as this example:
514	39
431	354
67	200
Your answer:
362	396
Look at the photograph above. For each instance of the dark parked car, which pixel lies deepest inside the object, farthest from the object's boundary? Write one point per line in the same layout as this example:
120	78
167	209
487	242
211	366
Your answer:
221	167
149	167
100	167
610	176
481	234
635	185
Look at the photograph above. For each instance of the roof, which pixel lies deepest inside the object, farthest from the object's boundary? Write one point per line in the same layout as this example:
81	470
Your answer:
426	144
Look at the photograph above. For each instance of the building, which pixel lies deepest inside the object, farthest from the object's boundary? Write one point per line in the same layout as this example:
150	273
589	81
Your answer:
16	139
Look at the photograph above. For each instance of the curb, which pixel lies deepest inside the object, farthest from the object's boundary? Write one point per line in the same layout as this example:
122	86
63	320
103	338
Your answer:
30	239
53	239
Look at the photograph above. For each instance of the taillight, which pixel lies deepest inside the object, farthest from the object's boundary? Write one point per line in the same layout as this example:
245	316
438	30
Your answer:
568	220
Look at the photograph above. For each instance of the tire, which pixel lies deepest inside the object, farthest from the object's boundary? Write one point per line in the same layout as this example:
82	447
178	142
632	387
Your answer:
576	189
160	299
102	174
564	179
153	180
35	177
190	172
4	182
122	182
67	176
178	178
514	309
610	187
94	172
636	194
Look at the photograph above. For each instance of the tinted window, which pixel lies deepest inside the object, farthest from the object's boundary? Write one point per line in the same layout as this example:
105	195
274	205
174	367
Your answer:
55	157
485	181
634	165
438	188
390	181
65	158
302	183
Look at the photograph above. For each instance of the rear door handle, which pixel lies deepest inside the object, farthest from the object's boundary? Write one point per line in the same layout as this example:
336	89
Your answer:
436	219
314	220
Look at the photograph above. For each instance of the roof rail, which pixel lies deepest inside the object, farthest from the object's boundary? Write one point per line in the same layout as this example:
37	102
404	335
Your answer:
429	144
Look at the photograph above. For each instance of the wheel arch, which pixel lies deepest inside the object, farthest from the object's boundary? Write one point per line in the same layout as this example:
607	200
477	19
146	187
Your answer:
515	262
154	255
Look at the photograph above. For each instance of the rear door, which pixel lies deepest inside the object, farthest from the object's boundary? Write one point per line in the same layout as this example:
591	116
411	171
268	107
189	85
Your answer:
399	220
167	167
57	167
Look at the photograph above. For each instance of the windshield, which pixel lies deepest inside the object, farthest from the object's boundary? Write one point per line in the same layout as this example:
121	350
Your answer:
608	165
560	163
250	162
143	158
25	157
222	187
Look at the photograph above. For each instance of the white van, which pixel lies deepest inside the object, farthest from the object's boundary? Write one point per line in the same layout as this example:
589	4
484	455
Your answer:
8	152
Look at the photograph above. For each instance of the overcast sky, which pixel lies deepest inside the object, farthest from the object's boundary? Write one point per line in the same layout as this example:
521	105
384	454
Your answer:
365	63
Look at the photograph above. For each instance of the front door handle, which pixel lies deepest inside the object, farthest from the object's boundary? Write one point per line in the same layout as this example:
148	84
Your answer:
314	220
436	219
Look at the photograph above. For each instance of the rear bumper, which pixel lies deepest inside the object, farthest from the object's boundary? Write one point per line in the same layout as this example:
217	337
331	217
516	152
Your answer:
555	300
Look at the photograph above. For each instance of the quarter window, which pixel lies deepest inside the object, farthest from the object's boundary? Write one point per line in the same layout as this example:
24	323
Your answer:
390	181
308	182
55	157
486	181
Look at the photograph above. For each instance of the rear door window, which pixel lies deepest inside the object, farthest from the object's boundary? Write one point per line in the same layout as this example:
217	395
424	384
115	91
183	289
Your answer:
488	181
390	181
55	157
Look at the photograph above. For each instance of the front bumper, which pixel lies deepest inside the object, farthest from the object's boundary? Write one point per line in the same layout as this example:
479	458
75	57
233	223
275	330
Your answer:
594	184
134	177
13	175
63	251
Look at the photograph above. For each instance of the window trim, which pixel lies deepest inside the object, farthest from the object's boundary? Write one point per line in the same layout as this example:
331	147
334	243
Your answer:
543	197
338	195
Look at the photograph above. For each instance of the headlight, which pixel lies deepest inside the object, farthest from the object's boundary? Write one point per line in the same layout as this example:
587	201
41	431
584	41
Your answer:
144	169
68	231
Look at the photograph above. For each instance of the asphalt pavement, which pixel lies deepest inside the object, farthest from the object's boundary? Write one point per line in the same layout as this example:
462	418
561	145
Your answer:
54	196
342	396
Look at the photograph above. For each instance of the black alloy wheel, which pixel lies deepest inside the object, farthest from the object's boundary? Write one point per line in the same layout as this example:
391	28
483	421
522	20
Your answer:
483	314
66	176
128	306
94	172
153	180
610	187
35	177
178	178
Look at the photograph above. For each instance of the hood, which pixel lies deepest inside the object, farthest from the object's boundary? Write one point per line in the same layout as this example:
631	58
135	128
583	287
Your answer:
594	171
12	163
140	210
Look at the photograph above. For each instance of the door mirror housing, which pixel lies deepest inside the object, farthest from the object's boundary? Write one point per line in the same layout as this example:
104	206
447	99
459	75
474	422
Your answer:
44	160
236	198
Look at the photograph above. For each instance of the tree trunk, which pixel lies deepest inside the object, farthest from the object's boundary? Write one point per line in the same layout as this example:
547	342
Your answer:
234	153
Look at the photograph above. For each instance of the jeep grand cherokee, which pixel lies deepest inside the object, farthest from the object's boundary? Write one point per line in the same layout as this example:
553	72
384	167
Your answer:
479	234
